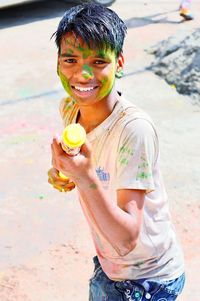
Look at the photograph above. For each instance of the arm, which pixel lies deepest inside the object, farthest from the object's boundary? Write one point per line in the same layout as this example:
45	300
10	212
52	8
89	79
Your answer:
118	221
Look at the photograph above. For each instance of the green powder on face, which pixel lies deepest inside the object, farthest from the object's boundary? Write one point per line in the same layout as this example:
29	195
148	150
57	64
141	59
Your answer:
80	48
87	71
101	53
104	81
70	51
86	51
70	42
64	82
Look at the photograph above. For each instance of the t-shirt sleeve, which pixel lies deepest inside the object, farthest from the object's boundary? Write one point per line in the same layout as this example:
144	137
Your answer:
66	108
136	156
62	108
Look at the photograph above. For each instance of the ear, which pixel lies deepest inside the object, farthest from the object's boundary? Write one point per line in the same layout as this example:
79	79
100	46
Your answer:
120	66
120	61
58	64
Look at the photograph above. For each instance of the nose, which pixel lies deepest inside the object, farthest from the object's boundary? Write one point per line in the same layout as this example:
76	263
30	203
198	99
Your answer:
87	72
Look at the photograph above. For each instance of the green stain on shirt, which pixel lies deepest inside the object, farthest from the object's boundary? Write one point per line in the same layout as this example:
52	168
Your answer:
143	175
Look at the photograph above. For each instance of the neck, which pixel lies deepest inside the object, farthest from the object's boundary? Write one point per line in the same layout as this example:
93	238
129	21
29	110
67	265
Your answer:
92	115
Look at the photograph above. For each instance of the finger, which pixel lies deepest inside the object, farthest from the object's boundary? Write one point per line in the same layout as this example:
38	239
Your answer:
70	185
69	188
57	148
52	172
50	181
57	137
58	181
86	149
62	187
54	185
66	190
58	188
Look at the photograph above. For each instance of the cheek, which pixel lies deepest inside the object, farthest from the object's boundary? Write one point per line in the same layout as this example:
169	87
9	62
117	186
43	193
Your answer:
108	81
64	80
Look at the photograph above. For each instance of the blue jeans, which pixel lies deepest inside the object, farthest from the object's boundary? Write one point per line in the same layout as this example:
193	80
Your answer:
104	289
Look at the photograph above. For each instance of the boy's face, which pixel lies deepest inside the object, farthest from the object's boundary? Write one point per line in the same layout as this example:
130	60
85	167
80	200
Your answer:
88	75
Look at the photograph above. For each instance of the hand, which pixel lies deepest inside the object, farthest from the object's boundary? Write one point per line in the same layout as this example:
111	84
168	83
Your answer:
78	167
59	183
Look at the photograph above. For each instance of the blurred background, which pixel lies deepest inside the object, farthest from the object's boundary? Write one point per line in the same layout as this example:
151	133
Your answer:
45	246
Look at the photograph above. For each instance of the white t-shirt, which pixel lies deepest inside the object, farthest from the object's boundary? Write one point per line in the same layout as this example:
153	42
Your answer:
126	156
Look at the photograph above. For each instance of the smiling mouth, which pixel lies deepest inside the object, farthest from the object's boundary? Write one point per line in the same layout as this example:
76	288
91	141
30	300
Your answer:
84	89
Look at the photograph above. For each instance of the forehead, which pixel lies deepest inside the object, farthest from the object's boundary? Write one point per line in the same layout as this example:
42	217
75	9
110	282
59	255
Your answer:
70	42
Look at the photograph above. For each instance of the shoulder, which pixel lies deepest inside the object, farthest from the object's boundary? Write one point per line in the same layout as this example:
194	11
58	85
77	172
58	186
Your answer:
66	107
139	128
136	121
134	114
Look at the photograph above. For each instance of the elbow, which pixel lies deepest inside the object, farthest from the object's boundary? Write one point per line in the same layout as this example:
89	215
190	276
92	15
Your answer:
127	247
130	243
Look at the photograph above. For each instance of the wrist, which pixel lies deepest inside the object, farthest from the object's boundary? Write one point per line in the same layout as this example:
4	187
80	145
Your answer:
89	180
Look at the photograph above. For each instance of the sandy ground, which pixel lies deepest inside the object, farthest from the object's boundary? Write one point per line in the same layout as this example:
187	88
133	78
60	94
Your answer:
45	248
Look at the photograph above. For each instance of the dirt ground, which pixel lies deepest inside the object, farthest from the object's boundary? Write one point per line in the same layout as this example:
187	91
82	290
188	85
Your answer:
46	250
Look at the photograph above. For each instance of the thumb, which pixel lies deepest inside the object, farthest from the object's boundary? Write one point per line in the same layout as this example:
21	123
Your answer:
86	149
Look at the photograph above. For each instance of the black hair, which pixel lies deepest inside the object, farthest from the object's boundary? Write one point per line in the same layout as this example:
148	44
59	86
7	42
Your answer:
98	26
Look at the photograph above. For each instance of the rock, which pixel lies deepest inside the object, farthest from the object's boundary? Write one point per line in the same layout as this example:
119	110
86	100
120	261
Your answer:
177	60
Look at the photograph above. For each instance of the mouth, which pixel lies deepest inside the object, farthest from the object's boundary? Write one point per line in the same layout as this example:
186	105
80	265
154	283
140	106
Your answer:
84	91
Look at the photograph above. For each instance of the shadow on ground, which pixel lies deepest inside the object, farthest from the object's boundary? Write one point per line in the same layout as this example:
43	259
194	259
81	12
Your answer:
33	11
38	10
151	19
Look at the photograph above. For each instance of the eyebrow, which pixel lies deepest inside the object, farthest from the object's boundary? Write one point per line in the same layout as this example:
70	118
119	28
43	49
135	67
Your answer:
68	55
97	56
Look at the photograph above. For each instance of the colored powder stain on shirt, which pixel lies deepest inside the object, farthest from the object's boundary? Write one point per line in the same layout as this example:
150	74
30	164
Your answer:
143	165
68	107
143	175
123	161
69	104
127	150
102	175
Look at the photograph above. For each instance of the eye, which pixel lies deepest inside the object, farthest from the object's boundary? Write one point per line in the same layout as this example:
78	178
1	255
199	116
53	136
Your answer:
69	60
99	62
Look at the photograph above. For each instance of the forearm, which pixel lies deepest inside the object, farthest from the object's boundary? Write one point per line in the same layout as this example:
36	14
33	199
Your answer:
118	227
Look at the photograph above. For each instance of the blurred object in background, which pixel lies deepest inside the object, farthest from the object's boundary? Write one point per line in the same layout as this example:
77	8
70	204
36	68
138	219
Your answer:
5	3
104	2
185	10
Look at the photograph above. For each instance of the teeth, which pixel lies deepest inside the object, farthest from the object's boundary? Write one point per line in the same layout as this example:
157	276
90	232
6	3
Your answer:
84	89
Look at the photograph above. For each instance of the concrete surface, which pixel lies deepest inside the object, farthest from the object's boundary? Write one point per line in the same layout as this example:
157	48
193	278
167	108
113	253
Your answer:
45	247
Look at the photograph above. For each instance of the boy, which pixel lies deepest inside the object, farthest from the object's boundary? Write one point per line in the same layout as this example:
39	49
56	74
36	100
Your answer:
117	172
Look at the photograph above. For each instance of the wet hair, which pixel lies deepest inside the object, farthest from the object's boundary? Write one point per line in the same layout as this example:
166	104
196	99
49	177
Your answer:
98	26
